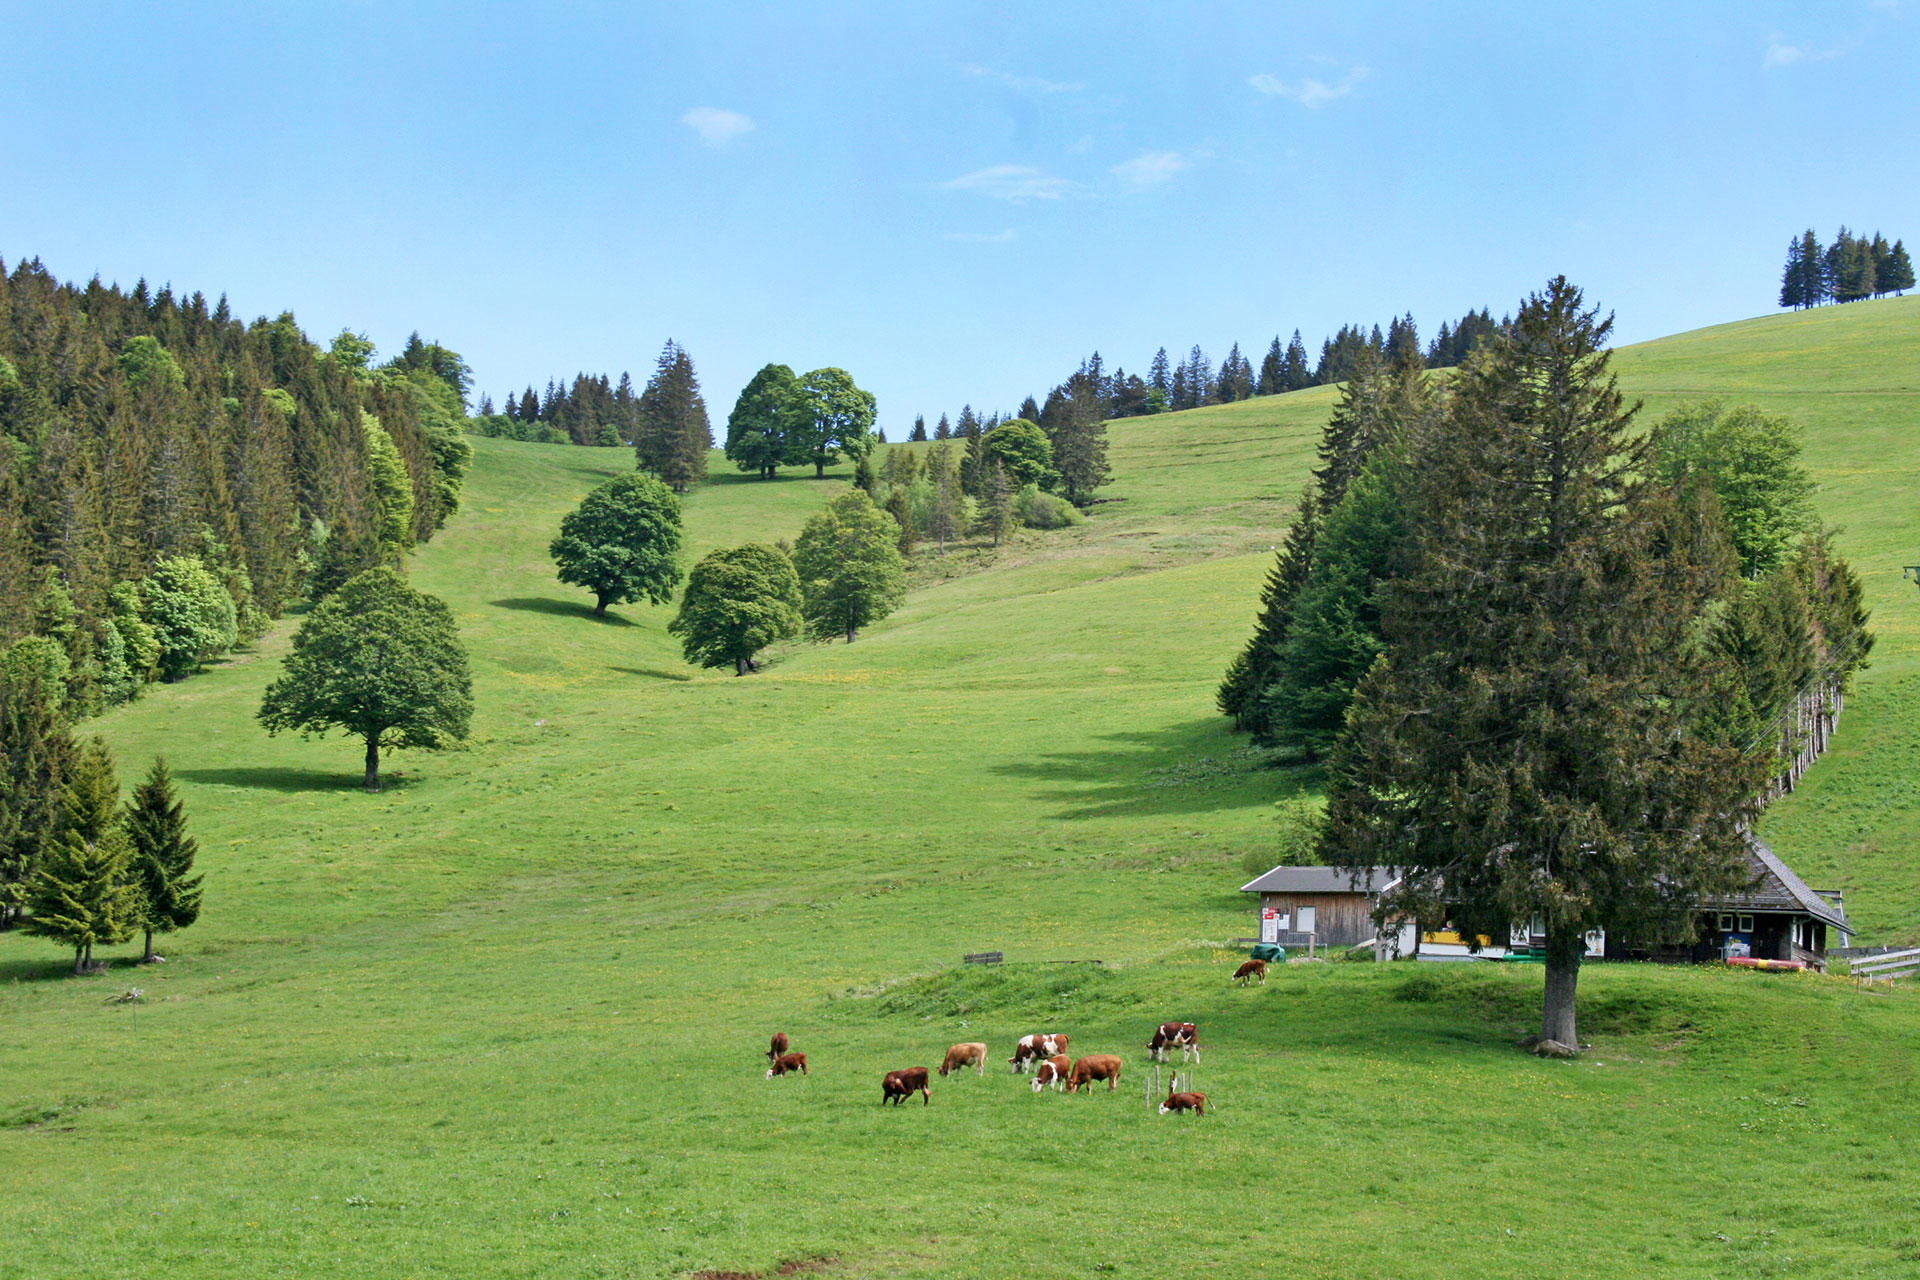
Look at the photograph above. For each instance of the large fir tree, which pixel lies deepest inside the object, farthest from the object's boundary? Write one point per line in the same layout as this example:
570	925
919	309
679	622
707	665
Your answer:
81	893
1522	751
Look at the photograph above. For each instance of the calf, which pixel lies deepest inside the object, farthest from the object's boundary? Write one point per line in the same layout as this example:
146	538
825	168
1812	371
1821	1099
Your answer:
1194	1102
962	1056
1037	1048
1095	1066
779	1046
1052	1072
788	1063
901	1085
1252	970
1174	1035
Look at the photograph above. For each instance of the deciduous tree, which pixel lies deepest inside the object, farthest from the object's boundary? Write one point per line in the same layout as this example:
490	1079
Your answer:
851	574
739	600
377	660
622	543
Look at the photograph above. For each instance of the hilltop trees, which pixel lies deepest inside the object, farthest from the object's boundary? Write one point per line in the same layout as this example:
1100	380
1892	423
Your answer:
849	564
672	434
1522	750
739	600
377	660
161	855
622	543
763	431
1851	268
835	417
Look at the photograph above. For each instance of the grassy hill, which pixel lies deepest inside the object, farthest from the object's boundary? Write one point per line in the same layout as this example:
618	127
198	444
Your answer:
504	1019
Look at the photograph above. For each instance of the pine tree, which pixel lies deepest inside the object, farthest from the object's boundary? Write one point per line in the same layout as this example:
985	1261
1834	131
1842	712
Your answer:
996	505
162	857
919	433
1242	693
1273	370
1080	444
673	435
946	511
38	759
81	892
901	510
1793	284
1298	374
1899	276
1521	751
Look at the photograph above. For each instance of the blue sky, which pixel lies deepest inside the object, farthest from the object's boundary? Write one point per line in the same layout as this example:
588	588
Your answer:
955	203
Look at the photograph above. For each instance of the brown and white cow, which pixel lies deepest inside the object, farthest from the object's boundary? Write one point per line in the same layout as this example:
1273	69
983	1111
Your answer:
779	1046
1169	1036
1037	1048
962	1056
1095	1066
1052	1072
1194	1102
901	1085
1251	971
786	1064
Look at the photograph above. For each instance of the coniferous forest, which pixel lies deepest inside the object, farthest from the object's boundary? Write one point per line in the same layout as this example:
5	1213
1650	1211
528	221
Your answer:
1848	270
171	477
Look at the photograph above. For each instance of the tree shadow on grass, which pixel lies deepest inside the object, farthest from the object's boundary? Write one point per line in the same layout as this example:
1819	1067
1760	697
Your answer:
1194	767
562	609
287	780
653	673
57	964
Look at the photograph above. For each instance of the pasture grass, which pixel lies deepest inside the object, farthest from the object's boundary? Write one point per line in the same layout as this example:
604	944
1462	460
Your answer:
506	1017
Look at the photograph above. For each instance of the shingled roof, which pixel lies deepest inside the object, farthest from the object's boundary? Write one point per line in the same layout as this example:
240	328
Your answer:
1320	880
1776	888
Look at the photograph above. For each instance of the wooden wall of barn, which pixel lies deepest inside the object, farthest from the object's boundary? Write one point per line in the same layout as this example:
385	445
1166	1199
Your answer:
1340	919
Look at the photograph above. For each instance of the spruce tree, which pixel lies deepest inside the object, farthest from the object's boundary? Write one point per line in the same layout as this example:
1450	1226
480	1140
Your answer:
1793	284
162	857
81	893
1299	375
996	504
943	431
1899	276
1080	445
1158	377
1521	750
38	760
1273	370
919	434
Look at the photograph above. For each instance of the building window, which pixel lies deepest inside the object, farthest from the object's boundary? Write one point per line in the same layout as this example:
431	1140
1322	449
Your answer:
1726	922
1746	924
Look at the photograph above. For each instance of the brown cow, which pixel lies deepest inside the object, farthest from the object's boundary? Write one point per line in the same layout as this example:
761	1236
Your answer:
779	1045
788	1063
1037	1048
962	1056
1169	1036
1052	1072
1095	1066
901	1085
1194	1102
1251	970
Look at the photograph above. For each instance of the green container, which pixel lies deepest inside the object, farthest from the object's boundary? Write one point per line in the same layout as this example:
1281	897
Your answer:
1270	952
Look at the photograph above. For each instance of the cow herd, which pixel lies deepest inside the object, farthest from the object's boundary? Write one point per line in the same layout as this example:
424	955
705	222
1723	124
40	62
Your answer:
1042	1052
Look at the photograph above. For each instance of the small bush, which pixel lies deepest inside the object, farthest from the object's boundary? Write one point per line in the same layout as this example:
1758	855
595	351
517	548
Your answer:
1037	510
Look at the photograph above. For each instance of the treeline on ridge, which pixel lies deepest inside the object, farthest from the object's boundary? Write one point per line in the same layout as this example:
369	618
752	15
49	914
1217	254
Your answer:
1850	269
172	477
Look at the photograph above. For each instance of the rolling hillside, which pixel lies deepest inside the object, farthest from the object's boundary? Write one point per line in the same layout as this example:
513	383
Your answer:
504	1019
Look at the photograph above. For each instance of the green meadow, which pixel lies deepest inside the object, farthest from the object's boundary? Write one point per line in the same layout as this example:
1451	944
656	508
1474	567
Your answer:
506	1018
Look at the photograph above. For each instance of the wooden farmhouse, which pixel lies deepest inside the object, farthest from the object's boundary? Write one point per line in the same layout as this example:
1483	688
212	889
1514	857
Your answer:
1322	905
1776	918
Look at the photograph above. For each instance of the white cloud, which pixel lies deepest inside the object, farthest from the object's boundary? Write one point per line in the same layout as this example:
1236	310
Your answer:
1781	54
716	127
1309	92
982	237
1023	84
1150	168
1016	182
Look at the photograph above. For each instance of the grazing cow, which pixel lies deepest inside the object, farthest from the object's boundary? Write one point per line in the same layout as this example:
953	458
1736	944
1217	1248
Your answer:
1052	1072
1095	1066
1194	1102
786	1064
1174	1035
779	1046
1037	1048
901	1085
962	1056
1251	971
